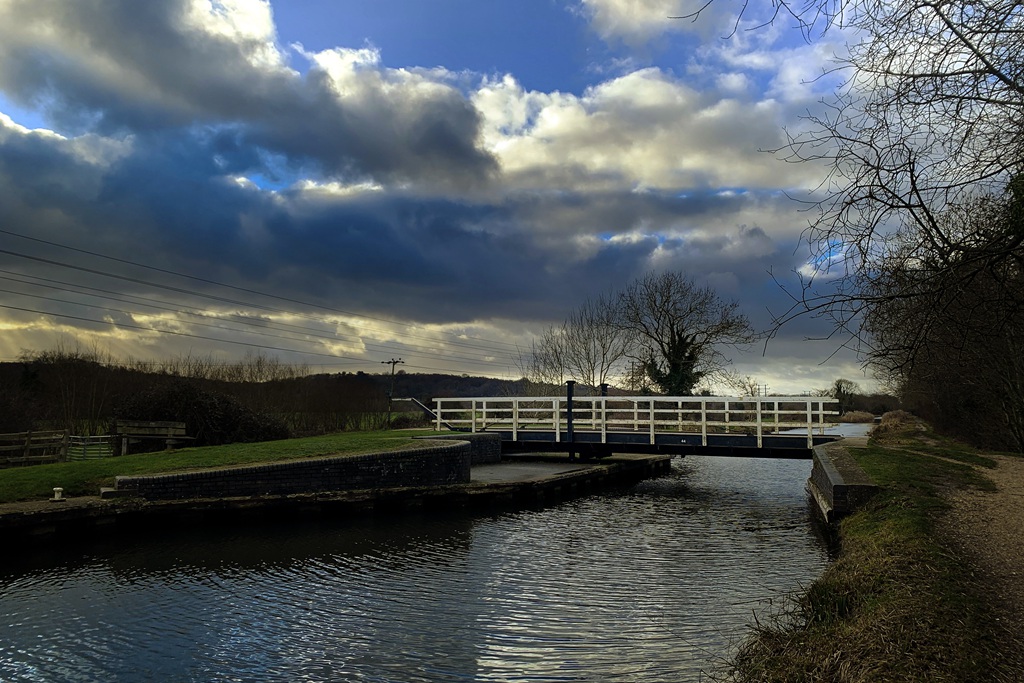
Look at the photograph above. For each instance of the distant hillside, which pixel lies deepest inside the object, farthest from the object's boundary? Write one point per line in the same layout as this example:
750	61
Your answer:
84	395
428	386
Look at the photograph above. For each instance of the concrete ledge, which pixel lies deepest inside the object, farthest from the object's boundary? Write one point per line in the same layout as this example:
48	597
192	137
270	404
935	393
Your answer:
83	518
838	484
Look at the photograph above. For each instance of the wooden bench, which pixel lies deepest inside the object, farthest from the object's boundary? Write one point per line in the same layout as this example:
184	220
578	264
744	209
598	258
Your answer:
136	431
33	448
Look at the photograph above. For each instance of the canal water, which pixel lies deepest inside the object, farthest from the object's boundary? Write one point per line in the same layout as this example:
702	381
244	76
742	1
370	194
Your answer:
658	582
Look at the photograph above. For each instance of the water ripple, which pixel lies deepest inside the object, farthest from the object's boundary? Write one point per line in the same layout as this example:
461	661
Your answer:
652	584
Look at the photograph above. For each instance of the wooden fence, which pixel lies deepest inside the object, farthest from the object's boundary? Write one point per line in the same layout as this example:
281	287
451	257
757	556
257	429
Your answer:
33	448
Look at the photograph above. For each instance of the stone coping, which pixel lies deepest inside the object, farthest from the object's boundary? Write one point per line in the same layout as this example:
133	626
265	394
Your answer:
838	484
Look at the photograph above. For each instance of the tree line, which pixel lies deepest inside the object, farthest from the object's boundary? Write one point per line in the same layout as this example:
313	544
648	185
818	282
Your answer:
919	219
256	398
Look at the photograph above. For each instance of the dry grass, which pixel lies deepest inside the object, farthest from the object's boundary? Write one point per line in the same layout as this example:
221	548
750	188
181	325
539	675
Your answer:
898	604
897	428
857	417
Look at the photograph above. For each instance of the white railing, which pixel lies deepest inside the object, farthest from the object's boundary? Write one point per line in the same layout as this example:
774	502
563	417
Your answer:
704	415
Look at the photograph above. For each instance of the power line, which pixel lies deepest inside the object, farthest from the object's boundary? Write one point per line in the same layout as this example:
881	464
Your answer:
261	325
178	334
203	295
229	286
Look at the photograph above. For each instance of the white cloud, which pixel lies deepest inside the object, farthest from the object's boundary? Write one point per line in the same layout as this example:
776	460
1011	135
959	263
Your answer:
646	129
632	20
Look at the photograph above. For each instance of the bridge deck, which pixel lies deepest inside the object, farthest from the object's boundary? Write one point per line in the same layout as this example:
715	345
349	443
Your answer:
791	446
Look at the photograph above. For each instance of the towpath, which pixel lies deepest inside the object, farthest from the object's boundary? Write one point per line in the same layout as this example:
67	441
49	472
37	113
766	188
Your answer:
988	527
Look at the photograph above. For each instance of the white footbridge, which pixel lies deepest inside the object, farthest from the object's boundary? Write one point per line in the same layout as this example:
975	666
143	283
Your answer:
780	426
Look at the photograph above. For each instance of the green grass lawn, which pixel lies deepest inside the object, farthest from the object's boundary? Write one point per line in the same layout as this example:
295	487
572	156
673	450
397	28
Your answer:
85	478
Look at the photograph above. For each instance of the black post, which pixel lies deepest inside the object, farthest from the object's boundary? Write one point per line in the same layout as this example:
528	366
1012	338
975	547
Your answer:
570	437
604	389
391	392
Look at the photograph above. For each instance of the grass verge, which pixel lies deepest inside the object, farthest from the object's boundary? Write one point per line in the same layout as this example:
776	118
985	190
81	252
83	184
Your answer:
898	604
85	478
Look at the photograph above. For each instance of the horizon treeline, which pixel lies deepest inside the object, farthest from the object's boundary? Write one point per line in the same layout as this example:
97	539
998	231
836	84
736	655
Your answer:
85	391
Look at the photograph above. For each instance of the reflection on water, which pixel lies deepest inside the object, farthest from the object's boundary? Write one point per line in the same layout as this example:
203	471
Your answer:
651	584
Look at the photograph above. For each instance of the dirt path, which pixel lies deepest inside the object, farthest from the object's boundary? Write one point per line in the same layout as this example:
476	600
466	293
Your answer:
989	527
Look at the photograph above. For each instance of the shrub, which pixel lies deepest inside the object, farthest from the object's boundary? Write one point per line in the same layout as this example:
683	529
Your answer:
896	426
209	417
858	416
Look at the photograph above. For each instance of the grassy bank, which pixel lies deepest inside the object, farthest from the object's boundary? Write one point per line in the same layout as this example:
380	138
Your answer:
898	605
85	478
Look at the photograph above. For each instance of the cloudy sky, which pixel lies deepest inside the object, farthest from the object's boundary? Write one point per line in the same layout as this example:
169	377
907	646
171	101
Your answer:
342	182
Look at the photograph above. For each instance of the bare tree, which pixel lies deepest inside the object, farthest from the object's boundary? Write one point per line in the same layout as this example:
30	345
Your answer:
927	127
544	364
588	346
743	386
679	330
662	330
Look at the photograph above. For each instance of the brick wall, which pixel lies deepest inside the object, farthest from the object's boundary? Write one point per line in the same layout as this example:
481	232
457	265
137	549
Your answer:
485	449
433	465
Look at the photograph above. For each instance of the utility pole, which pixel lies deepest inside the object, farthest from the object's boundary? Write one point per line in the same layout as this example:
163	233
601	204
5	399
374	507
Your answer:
391	392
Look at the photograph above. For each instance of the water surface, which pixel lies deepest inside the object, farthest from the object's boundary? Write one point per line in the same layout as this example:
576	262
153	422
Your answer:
655	583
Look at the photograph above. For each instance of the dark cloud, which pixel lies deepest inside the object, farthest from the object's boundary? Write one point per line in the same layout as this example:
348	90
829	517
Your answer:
120	66
388	204
167	202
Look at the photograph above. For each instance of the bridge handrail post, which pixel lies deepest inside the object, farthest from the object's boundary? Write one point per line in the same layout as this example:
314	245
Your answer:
604	419
472	412
437	413
652	420
515	419
759	423
556	423
703	422
810	424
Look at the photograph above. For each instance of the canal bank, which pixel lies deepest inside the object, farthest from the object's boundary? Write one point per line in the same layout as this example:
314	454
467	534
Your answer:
906	599
513	481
